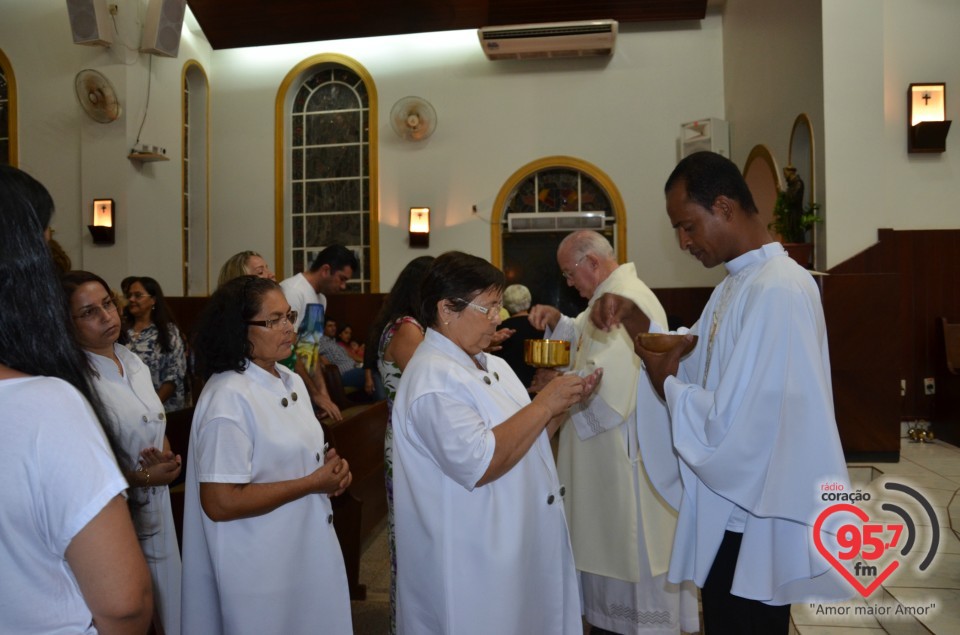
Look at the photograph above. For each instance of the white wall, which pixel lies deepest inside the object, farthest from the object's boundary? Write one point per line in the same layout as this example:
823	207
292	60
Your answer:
621	114
773	68
78	159
872	52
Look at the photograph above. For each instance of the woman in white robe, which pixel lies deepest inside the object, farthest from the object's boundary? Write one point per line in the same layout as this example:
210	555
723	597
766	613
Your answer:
482	542
260	551
134	414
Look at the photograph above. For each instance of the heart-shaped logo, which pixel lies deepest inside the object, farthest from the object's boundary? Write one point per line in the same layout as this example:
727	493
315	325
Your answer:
856	541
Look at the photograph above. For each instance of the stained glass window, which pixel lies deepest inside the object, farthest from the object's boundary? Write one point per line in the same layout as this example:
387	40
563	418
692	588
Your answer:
329	168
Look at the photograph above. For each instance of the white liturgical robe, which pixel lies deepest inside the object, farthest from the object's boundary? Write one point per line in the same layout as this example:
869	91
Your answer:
474	560
597	459
751	418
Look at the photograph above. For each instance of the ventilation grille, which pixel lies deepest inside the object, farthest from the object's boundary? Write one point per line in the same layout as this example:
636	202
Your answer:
555	221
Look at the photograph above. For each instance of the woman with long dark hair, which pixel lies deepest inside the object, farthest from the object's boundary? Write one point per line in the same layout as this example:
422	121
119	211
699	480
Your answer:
153	336
134	415
69	555
396	332
260	554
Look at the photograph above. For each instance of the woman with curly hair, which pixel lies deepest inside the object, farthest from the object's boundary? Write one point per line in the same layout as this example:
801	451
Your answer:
260	554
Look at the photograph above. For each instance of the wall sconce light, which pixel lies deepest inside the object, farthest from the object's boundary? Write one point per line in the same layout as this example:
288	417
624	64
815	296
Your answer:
419	226
102	229
927	124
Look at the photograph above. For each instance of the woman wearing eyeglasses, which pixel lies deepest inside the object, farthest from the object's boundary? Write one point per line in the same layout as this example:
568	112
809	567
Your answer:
482	542
152	335
259	548
134	415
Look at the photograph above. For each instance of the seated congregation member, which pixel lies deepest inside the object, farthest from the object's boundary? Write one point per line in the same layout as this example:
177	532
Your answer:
333	353
482	543
245	263
516	300
152	335
134	415
260	552
350	346
395	334
69	557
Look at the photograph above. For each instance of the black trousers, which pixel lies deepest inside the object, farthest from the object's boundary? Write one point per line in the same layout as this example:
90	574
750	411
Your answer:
726	614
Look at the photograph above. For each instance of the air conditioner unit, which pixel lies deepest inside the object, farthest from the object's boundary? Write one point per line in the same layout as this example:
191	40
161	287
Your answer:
552	39
555	221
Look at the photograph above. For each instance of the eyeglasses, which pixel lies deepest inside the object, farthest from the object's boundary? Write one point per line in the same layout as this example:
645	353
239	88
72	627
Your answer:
137	296
290	318
491	312
568	275
108	306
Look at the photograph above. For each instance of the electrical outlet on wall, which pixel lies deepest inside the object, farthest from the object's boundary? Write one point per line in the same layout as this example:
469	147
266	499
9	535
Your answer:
929	386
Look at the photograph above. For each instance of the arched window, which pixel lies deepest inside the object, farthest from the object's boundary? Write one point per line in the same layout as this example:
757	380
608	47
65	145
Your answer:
8	112
549	199
328	164
195	213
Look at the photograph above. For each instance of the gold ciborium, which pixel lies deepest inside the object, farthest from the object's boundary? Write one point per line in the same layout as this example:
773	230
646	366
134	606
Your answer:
546	353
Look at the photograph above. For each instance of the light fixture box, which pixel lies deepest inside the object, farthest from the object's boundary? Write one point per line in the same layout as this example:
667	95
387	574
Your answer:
419	226
927	124
102	229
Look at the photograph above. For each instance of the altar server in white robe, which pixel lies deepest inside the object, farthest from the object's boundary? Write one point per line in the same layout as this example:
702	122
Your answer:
482	543
620	528
259	548
749	413
135	416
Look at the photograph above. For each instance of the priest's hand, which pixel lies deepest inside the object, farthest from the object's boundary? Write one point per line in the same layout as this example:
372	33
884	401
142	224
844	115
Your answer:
542	315
611	311
659	366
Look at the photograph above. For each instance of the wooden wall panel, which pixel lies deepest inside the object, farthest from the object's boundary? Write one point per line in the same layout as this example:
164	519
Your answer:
928	262
863	322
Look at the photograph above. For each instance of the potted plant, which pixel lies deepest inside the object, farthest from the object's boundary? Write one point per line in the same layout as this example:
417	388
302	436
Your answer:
792	219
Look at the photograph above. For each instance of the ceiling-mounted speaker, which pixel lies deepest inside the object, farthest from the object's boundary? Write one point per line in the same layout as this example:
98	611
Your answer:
90	22
161	29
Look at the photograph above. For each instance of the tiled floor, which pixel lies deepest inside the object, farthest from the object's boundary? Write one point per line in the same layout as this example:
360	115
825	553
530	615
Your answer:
932	469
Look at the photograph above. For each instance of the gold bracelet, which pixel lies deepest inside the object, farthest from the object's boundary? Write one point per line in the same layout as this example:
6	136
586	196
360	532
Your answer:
146	475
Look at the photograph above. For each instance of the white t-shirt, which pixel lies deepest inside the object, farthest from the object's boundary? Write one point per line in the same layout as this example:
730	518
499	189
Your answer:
57	475
299	293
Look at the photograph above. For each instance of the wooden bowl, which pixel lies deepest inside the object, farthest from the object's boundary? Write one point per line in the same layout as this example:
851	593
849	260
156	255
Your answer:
663	342
546	353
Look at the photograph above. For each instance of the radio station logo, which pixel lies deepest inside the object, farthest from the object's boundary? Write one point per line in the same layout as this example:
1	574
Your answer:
867	547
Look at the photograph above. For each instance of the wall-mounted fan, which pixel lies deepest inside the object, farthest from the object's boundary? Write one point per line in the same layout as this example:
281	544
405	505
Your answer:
96	96
413	118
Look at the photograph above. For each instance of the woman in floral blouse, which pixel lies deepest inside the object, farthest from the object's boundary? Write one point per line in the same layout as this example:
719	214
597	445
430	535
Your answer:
153	336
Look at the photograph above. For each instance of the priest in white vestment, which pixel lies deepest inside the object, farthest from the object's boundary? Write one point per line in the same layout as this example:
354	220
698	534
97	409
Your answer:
621	529
749	413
